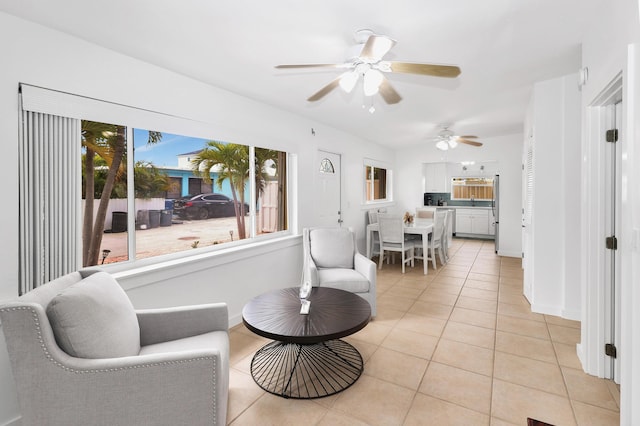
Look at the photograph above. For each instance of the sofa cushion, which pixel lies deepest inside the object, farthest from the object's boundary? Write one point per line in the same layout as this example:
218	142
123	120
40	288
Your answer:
332	247
344	279
94	318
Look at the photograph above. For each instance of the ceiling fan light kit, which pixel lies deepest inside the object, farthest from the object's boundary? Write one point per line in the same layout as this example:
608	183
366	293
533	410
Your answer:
366	60
371	82
446	139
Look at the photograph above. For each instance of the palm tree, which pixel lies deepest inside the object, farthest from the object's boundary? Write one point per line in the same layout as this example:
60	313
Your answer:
108	141
232	160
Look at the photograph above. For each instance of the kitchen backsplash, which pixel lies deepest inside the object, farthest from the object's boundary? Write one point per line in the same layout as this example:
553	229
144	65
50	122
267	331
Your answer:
446	198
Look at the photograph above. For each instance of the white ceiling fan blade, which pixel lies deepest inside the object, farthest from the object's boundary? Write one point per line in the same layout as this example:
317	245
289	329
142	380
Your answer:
312	66
324	91
388	93
376	47
449	71
468	142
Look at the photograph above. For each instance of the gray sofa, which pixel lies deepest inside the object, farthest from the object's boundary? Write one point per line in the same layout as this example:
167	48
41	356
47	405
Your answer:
81	355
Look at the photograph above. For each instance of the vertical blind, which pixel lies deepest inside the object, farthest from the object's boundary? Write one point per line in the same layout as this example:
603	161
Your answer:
530	177
50	193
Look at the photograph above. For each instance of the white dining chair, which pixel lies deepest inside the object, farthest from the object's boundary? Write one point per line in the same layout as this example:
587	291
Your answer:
392	239
446	235
436	238
425	212
375	240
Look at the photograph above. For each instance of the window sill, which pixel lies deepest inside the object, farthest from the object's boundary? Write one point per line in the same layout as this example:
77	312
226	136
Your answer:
377	204
142	275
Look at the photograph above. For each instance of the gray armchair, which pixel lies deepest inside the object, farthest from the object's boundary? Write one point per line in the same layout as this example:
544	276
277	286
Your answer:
81	355
331	259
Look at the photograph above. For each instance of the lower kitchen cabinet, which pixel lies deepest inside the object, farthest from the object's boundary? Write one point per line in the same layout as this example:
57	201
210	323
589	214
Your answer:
472	221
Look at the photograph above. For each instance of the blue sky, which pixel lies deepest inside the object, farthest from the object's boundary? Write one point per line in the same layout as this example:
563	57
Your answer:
164	153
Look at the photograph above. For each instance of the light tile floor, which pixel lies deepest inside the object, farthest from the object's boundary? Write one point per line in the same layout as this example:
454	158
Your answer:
459	346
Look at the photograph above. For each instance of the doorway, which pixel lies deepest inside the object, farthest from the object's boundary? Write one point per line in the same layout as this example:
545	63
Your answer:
601	193
613	117
328	189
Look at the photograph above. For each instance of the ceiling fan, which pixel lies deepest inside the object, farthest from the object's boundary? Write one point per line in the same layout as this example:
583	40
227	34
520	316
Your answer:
446	139
367	62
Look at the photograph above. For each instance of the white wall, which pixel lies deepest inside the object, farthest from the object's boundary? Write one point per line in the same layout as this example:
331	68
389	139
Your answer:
555	227
46	58
506	150
606	53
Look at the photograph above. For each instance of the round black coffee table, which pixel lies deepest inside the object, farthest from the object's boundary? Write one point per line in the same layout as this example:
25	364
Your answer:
306	358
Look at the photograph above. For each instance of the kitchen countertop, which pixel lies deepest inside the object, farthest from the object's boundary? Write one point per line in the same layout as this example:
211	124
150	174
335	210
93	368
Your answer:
461	207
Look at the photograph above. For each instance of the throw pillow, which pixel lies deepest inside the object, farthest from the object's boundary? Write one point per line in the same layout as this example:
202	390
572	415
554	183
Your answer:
94	318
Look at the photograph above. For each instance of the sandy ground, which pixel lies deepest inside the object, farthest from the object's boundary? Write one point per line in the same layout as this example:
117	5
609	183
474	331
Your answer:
181	235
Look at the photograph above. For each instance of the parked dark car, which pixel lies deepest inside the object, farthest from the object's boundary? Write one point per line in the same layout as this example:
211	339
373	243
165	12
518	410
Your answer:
204	206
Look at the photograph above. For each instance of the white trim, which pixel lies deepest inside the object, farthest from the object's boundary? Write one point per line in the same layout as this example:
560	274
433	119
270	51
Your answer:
369	162
630	270
507	253
149	274
595	323
39	99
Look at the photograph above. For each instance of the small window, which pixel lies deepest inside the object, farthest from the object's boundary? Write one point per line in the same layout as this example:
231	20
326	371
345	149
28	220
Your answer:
326	166
377	183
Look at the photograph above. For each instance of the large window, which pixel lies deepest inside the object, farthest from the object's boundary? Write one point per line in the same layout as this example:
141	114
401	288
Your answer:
106	183
377	179
188	193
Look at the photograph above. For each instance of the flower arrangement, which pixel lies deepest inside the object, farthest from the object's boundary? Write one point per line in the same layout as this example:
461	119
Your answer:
408	217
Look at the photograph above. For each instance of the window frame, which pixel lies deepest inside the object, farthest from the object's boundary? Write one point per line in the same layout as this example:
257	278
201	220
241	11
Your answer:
375	164
38	99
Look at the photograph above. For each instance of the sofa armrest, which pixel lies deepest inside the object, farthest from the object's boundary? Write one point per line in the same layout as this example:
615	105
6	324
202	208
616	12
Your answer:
311	272
164	324
146	389
366	267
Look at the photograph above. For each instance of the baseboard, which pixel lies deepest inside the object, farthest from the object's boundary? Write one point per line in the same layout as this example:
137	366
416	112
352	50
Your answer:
580	354
572	315
547	310
507	253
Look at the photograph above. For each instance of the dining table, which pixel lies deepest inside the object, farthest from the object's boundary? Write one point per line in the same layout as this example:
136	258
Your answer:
422	227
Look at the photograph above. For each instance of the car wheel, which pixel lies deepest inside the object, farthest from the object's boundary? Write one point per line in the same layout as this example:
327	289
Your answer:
203	214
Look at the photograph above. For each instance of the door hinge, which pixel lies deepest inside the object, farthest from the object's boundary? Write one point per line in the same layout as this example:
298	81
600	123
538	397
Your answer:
610	350
612	135
611	243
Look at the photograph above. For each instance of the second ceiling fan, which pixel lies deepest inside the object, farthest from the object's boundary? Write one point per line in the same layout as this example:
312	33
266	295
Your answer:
368	64
446	139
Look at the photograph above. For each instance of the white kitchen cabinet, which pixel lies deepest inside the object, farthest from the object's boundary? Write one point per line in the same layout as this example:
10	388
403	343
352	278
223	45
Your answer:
472	221
436	178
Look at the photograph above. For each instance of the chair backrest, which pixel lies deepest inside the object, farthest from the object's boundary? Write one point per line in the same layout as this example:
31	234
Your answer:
425	212
330	247
439	224
373	216
390	228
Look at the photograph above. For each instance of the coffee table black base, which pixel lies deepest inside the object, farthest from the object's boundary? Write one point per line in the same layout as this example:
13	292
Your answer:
298	371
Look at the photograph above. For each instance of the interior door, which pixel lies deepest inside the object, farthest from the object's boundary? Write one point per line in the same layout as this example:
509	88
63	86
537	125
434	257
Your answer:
328	184
613	116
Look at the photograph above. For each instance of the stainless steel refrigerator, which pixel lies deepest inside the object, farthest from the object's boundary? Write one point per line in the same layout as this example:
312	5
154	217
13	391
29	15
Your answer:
495	209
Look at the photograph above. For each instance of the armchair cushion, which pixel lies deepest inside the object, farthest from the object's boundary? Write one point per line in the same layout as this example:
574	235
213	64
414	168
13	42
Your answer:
344	279
95	319
332	248
206	341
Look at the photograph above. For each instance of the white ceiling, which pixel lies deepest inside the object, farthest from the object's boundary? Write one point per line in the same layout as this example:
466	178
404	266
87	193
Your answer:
502	47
